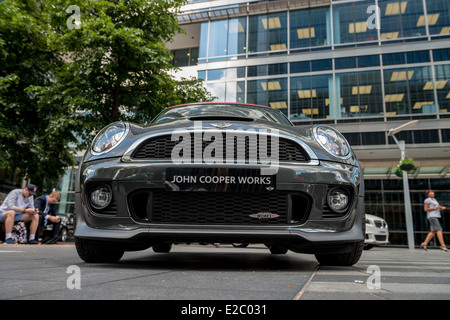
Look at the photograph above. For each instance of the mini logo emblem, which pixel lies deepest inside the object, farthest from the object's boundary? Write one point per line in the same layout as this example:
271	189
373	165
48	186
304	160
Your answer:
221	125
264	215
270	188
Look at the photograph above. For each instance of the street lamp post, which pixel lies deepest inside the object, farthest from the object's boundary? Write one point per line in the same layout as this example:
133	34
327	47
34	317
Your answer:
407	198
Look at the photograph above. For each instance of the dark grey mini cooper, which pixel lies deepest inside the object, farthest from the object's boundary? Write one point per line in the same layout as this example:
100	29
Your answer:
220	173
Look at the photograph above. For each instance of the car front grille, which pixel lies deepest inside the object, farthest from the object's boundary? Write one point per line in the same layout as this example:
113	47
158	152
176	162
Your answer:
160	148
380	238
217	208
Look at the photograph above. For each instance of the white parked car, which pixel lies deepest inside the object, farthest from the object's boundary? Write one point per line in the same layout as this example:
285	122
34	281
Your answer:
377	232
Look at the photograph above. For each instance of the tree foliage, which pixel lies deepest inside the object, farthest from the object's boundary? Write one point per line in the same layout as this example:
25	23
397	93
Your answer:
33	138
117	66
61	83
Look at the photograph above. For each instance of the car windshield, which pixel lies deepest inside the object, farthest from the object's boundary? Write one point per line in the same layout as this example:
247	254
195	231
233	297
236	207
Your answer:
225	111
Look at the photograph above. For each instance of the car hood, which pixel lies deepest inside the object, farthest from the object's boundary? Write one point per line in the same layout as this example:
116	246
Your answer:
303	133
372	217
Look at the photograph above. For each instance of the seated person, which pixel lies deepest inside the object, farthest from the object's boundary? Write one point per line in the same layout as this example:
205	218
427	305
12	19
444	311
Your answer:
19	206
49	215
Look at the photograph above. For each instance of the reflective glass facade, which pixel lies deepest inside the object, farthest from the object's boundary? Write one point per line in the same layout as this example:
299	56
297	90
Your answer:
356	84
335	63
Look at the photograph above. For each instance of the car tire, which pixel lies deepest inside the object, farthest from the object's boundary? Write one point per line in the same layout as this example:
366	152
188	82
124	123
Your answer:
63	235
162	247
240	245
278	250
342	259
93	253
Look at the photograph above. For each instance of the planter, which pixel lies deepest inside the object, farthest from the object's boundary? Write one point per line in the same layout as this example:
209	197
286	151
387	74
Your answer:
407	167
399	173
407	164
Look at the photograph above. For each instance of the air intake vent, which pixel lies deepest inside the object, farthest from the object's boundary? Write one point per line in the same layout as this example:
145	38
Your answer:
216	208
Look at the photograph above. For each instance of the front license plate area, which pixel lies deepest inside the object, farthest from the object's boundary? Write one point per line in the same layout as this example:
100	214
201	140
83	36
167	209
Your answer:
218	180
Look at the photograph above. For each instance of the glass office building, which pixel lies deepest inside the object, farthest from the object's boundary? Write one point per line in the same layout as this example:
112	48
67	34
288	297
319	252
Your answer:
363	67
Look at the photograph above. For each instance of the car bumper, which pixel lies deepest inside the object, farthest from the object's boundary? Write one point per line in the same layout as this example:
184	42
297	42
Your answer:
376	236
315	232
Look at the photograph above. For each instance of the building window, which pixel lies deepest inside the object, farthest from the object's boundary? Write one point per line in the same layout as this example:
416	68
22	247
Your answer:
366	138
310	28
442	84
397	91
218	36
223	38
401	18
217	74
345	63
421	90
217	90
409	90
267	70
418	56
384	198
350	23
441	55
417	136
235	92
185	57
360	94
391	59
268	33
321	65
406	57
310	97
268	92
300	67
438	13
368	61
446	135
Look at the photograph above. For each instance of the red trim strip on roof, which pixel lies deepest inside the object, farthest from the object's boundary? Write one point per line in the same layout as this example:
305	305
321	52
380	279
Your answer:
231	103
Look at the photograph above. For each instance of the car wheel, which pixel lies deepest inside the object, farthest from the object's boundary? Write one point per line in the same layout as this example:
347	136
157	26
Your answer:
92	253
162	247
63	234
342	259
278	250
240	245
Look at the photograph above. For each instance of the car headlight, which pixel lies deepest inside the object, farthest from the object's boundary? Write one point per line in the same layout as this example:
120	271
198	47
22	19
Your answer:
332	141
109	138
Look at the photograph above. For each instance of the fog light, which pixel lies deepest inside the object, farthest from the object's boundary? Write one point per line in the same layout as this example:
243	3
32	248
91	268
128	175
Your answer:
101	197
338	199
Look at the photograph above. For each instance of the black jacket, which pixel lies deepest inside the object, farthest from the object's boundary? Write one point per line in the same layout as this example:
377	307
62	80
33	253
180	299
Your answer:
40	203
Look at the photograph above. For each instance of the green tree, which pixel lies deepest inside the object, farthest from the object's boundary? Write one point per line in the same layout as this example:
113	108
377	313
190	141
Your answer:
33	138
62	81
117	66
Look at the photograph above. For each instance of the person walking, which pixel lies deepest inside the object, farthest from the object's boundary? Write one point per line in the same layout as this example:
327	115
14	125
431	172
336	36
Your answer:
433	210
